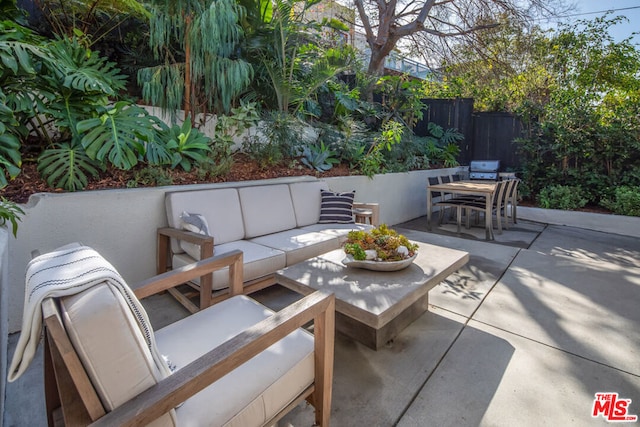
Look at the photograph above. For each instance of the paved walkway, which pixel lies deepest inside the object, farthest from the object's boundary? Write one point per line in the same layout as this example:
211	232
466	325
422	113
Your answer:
527	333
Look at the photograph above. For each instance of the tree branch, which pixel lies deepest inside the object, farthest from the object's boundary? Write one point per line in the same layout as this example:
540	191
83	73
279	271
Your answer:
365	22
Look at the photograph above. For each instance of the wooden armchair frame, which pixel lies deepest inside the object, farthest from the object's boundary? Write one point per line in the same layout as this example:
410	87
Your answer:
205	294
72	400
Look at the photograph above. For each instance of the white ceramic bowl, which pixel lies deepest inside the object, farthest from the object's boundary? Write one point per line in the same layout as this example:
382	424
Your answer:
379	265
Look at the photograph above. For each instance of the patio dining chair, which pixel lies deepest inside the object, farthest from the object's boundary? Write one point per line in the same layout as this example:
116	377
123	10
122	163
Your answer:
511	202
479	205
236	363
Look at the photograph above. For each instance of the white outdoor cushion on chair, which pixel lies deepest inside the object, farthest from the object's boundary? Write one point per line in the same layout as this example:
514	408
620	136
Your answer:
111	346
256	391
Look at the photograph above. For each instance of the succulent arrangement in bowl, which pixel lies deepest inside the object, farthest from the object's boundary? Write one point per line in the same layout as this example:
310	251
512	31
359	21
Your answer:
380	244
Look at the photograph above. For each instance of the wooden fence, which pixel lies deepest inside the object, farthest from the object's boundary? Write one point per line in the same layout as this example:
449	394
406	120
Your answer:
487	136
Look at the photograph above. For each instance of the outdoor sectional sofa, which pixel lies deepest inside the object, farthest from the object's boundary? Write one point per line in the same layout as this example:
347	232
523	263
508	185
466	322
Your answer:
274	225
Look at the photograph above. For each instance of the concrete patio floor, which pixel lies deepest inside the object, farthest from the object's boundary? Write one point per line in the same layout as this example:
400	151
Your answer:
526	334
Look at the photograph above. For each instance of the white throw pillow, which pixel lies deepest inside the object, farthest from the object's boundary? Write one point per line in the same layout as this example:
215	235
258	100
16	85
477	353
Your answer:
197	224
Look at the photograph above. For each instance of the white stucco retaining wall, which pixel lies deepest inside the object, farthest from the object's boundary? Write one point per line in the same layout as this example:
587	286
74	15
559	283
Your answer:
4	319
121	224
616	224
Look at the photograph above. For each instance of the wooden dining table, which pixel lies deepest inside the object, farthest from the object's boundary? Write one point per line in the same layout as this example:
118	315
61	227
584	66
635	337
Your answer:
478	188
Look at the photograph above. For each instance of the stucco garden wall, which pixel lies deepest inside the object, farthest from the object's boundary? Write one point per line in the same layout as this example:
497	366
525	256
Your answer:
4	325
121	224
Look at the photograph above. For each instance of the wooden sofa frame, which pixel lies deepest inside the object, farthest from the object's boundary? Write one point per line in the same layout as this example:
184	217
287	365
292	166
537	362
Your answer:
72	400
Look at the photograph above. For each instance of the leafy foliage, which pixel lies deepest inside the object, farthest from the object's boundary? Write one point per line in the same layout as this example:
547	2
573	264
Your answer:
289	56
561	197
205	74
67	166
320	158
10	212
626	201
187	145
117	135
382	239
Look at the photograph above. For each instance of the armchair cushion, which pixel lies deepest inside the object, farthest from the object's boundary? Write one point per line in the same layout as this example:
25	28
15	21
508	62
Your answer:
111	346
257	390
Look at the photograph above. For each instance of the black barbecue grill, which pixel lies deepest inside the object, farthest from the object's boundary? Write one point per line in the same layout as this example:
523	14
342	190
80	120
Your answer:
484	169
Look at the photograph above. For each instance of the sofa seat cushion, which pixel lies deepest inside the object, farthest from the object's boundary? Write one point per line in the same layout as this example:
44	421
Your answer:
298	244
339	231
266	209
258	261
258	389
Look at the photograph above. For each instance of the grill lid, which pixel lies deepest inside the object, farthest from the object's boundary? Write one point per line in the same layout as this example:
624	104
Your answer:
484	166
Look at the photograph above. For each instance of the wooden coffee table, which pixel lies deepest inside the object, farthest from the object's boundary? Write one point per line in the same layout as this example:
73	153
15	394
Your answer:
373	307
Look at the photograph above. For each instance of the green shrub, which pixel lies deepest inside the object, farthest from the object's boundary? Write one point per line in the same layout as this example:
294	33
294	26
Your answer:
561	197
626	202
150	176
10	212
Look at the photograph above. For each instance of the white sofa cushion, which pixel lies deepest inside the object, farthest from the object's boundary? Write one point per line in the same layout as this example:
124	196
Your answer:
266	209
306	201
257	390
299	245
258	261
220	206
339	231
111	346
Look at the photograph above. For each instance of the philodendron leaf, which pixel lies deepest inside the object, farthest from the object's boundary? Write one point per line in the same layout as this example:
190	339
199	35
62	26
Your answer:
66	166
118	135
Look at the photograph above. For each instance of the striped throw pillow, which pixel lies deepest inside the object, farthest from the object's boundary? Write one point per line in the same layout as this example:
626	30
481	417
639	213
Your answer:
336	207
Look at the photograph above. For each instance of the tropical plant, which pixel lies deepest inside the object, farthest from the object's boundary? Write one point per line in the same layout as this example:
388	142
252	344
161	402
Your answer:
118	135
18	56
186	144
96	18
196	43
10	212
373	162
290	59
232	126
401	99
10	157
318	157
72	84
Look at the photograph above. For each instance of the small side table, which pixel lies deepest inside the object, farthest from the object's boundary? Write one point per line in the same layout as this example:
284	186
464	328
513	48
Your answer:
363	216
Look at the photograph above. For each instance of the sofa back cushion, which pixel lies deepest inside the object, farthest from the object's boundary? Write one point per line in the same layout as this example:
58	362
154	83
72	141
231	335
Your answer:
306	201
266	209
111	346
220	207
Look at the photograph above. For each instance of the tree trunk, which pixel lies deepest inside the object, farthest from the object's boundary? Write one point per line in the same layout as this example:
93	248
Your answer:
187	71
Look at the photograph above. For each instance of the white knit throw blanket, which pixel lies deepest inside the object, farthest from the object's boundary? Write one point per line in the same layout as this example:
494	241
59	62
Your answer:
67	271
